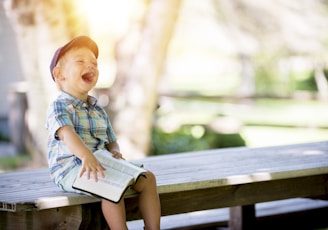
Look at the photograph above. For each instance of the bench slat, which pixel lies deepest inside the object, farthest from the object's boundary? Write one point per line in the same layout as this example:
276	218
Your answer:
220	217
189	171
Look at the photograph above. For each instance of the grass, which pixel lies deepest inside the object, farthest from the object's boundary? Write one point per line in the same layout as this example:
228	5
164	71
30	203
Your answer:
10	163
264	122
272	136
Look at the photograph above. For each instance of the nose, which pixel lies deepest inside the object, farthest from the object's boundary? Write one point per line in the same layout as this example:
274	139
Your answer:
91	65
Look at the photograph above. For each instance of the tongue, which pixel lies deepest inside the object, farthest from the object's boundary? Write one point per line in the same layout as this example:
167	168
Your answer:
87	77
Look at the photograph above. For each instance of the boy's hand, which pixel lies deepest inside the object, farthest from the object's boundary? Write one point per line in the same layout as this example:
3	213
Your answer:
117	154
114	148
91	166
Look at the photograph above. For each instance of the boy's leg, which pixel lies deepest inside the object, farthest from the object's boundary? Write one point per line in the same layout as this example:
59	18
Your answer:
114	214
149	201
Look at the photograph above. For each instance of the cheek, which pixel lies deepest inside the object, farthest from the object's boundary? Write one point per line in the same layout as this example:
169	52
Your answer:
66	72
97	74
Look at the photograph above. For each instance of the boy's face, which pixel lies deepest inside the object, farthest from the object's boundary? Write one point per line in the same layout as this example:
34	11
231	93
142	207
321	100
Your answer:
77	72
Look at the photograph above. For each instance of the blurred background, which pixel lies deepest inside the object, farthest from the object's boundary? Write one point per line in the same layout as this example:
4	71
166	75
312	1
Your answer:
175	75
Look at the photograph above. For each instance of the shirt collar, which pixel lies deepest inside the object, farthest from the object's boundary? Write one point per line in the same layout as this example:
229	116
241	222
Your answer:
90	103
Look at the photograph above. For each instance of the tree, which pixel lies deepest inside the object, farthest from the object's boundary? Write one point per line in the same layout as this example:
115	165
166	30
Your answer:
277	29
134	93
41	26
44	25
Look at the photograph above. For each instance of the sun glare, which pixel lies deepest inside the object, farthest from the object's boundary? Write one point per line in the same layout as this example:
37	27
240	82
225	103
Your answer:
106	14
108	21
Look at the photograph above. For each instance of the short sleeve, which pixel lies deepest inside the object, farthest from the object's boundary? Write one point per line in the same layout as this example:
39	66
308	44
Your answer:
58	116
110	131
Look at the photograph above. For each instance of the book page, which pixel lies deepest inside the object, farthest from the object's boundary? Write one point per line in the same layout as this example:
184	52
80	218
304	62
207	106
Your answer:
115	178
106	159
111	187
119	176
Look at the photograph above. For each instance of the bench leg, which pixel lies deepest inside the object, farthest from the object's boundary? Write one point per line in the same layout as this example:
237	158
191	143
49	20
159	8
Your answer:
242	218
57	218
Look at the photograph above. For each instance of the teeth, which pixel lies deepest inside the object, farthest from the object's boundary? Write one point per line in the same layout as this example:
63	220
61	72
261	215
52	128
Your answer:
90	74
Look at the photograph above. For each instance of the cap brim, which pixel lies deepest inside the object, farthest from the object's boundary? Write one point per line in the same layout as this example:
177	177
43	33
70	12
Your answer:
81	41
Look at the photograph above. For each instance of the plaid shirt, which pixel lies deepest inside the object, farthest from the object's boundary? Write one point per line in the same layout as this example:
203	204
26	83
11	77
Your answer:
90	122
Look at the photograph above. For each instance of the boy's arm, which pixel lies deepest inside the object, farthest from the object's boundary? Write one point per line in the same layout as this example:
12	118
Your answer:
74	143
114	148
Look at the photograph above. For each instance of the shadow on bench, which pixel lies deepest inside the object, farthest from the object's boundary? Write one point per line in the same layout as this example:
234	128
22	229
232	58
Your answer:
297	213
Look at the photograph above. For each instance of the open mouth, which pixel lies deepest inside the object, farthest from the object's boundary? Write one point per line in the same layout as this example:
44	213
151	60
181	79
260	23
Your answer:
88	77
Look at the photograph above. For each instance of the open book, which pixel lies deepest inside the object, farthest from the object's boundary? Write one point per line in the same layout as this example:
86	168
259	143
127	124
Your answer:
119	176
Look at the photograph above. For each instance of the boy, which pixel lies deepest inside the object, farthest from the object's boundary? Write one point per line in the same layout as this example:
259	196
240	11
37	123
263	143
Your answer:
77	127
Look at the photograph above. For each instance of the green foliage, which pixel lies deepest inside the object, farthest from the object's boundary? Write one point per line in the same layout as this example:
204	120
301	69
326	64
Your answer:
264	81
183	140
309	83
13	162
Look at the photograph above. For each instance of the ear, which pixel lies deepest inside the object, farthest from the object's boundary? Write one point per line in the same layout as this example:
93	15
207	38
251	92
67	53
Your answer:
57	73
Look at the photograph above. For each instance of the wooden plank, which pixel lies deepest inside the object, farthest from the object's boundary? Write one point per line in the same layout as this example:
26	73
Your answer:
221	167
235	195
183	172
59	218
266	213
190	181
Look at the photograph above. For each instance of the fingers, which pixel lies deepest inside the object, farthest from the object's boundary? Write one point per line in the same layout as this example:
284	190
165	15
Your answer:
82	171
93	172
85	170
102	174
117	155
95	175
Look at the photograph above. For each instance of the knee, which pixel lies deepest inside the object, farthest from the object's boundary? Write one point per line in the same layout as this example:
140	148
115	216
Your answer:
145	183
151	178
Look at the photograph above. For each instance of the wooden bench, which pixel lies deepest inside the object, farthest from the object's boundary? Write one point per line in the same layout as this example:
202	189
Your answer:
292	213
237	178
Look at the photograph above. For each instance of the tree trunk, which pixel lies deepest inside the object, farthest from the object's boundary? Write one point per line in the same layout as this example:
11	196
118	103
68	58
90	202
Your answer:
40	27
136	95
247	83
321	81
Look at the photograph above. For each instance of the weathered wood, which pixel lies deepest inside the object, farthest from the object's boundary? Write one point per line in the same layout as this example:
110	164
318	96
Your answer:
194	181
92	217
235	195
60	218
269	215
237	166
187	171
242	217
